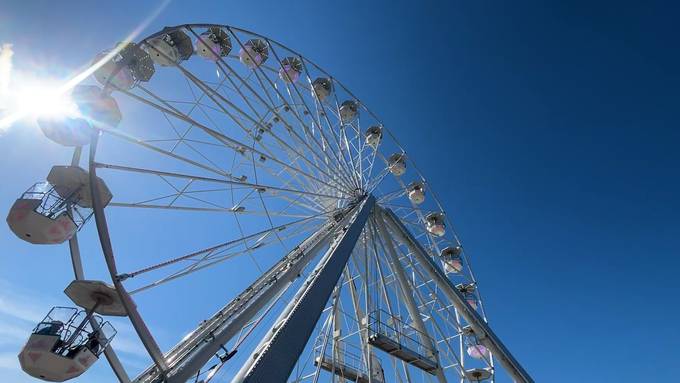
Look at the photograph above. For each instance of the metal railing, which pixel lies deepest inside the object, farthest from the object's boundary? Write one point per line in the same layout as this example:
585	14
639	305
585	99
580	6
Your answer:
52	204
342	354
64	322
381	322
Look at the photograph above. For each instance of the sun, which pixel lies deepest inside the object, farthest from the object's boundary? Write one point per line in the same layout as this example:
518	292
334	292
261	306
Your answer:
34	99
44	100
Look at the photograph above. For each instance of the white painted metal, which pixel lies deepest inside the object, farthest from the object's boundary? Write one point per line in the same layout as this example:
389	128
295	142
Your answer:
277	353
481	329
103	231
406	295
301	155
197	348
79	273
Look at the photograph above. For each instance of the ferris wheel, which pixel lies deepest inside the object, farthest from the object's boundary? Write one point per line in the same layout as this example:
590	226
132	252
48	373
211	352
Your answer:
231	173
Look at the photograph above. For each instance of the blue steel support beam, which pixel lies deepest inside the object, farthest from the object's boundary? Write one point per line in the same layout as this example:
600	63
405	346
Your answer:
275	357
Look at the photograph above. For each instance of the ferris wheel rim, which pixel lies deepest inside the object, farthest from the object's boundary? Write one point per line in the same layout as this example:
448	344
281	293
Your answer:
93	166
434	195
318	67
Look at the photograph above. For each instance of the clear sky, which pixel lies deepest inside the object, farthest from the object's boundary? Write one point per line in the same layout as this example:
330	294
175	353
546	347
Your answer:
550	129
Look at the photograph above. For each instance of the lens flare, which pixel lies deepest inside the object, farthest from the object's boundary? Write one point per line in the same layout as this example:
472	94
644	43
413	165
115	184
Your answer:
6	54
45	98
44	101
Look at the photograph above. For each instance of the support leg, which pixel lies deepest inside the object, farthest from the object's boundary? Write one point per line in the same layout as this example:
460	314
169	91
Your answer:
479	326
405	290
275	357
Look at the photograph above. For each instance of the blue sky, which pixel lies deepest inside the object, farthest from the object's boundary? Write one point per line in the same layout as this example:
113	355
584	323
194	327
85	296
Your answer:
549	130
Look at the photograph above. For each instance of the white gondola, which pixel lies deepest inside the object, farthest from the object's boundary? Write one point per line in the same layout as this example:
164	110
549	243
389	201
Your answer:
52	212
170	48
468	291
451	260
128	65
473	347
478	351
92	108
322	88
396	164
373	136
435	224
254	53
68	341
213	44
290	70
416	192
349	110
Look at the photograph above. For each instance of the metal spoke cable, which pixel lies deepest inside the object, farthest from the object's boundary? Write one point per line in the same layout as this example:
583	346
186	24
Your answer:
212	248
222	138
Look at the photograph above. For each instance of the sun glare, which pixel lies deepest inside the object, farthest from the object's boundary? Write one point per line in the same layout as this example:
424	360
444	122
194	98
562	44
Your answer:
44	101
36	99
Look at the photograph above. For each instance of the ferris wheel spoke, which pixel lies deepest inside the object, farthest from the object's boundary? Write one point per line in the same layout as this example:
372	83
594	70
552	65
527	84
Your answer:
190	143
143	143
258	237
215	255
269	217
369	169
391	196
366	154
295	179
237	89
373	185
352	161
213	259
318	202
336	133
321	111
360	159
236	208
336	140
229	142
295	157
342	137
195	104
246	99
303	103
270	105
212	96
355	143
258	187
221	63
218	99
